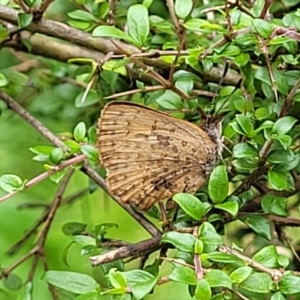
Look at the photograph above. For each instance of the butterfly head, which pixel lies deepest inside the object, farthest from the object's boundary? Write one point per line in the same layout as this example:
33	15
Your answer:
213	127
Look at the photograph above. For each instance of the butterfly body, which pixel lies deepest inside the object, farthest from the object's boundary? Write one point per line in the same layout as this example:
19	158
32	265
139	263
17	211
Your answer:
150	156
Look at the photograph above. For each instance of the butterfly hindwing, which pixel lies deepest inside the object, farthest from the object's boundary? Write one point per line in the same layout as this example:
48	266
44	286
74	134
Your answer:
149	155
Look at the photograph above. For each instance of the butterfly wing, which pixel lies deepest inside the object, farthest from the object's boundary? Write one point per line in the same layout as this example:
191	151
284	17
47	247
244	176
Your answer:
149	155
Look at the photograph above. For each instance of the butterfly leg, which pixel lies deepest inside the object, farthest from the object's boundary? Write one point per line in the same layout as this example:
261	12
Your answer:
167	224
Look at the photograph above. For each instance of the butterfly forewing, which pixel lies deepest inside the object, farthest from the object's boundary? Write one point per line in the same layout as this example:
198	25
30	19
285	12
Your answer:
150	156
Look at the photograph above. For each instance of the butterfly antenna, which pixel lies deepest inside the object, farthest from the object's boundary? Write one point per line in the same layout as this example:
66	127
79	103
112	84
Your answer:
219	86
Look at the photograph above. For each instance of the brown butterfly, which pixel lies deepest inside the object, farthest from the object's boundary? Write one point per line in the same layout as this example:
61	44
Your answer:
150	156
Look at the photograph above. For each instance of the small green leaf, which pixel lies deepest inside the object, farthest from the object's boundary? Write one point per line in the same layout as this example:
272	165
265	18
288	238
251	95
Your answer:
117	279
58	176
111	32
79	132
3	80
245	123
24	20
26	292
56	155
218	184
284	140
185	86
244	150
84	240
246	164
257	283
217	278
221	257
13	282
275	205
229	206
11	183
184	275
141	282
182	241
198	248
81	15
73	146
262	113
76	283
203	290
278	180
262	27
182	75
258	224
289	284
191	205
183	8
278	296
240	274
138	23
90	152
208	235
73	228
267	256
284	125
170	100
283	261
90	99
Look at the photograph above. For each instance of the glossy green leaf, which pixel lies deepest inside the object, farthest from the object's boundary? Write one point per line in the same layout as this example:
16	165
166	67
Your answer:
245	123
289	284
13	282
183	8
198	248
275	205
262	27
24	19
84	240
277	180
79	132
218	184
76	283
284	140
244	150
90	99
258	224
191	205
278	296
111	32
203	290
257	283
3	80
284	125
182	241
117	279
170	100
217	278
183	274
229	206
73	228
267	256
240	274
56	155
11	183
141	282
79	14
208	235
138	23
90	152
220	257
